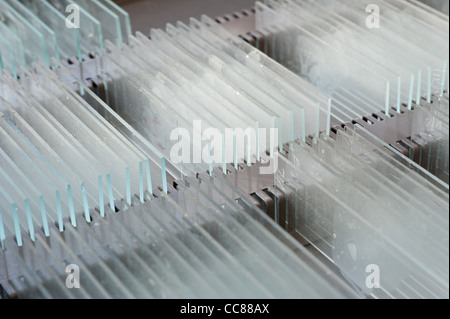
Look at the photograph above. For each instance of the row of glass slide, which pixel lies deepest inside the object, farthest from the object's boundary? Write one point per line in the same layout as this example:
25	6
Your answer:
367	65
37	30
337	201
69	161
366	55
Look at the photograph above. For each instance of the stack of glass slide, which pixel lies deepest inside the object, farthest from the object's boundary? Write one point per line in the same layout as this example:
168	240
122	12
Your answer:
37	30
362	209
352	201
190	104
59	157
200	244
218	69
191	84
367	55
358	209
59	139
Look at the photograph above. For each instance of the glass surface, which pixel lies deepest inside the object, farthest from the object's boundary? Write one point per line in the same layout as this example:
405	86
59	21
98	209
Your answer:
33	41
48	34
68	39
